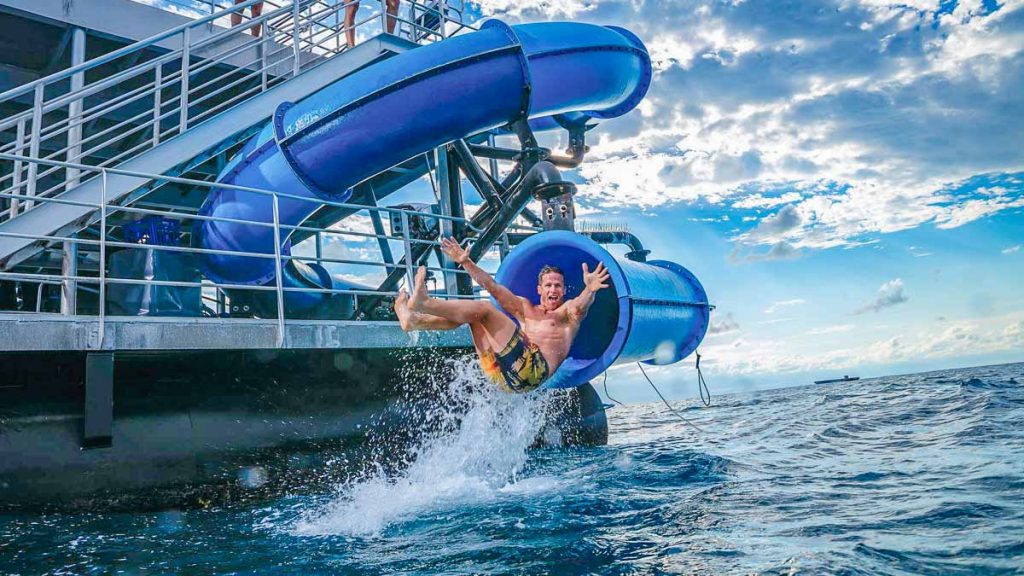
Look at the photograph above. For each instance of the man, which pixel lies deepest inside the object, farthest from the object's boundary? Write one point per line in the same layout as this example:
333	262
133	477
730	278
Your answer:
519	358
352	6
256	9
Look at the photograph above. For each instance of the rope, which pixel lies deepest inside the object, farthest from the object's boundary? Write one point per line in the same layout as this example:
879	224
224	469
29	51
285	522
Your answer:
702	386
606	395
667	405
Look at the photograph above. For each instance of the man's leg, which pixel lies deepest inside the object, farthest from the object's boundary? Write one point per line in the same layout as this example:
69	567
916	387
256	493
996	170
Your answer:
257	11
236	16
350	22
499	328
410	320
392	10
418	321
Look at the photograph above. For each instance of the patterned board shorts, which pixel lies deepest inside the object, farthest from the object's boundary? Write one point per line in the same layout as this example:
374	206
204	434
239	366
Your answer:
519	367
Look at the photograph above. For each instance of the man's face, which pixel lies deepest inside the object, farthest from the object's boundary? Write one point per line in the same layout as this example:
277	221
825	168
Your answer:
551	290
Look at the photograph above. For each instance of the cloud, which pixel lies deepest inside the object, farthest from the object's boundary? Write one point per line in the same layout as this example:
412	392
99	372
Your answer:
777	225
889	294
723	324
953	339
867	117
839	328
1011	249
777	251
760	201
773	321
779	305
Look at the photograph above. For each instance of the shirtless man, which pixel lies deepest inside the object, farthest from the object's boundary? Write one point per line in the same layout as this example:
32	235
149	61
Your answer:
518	358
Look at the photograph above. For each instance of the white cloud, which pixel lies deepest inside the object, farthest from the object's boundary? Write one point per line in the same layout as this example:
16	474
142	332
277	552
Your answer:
889	294
836	329
723	324
760	201
359	223
777	251
777	227
779	305
773	321
865	116
974	209
955	339
1011	249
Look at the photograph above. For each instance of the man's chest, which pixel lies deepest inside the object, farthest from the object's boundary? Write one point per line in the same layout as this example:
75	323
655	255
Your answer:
546	324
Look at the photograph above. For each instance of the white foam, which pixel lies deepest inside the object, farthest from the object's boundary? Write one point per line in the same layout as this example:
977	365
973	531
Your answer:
478	460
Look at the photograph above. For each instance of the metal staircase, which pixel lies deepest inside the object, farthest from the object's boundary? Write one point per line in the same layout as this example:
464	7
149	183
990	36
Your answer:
150	110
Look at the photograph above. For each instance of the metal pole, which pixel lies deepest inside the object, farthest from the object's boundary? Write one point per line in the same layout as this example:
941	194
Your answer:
492	162
75	108
319	247
447	198
185	49
103	257
295	38
503	247
408	252
33	146
157	94
263	56
440	16
69	287
69	257
19	149
384	24
277	270
370	198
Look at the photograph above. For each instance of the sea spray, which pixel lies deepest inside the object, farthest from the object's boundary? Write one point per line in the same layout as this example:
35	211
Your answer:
471	443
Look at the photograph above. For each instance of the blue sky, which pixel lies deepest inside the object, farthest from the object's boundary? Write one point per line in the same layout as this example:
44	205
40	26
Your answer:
845	177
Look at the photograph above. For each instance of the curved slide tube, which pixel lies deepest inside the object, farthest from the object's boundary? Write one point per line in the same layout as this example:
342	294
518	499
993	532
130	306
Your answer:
655	312
321	146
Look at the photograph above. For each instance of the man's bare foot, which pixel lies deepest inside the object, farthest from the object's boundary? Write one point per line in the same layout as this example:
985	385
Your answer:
419	292
402	310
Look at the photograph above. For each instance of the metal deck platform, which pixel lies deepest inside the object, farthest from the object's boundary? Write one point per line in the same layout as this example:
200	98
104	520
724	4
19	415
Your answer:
51	332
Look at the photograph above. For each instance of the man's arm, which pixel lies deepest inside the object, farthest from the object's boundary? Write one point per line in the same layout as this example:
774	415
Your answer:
511	303
578	307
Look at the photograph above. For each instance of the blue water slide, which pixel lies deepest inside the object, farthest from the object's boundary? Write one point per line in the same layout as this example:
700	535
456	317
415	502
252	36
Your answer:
321	146
654	312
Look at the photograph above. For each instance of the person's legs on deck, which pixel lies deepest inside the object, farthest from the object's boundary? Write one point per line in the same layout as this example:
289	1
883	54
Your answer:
350	22
392	10
236	16
257	10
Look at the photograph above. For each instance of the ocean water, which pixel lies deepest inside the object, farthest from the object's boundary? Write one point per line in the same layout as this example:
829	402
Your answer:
913	474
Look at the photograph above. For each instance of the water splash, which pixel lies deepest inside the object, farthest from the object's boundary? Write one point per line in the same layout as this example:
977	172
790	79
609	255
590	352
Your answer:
472	448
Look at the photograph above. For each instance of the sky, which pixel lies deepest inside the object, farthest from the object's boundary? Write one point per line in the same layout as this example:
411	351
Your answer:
845	177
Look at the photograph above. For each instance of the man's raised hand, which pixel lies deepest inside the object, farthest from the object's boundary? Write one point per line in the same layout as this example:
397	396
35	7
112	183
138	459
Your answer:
597	279
452	249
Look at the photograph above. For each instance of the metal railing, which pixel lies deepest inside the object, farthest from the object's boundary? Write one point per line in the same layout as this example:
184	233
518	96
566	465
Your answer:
112	217
110	109
418	11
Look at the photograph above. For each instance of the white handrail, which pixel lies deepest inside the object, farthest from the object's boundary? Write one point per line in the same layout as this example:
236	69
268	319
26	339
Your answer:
102	244
113	130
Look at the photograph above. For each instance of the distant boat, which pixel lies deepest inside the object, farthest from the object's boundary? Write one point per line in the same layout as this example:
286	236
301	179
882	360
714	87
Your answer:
843	379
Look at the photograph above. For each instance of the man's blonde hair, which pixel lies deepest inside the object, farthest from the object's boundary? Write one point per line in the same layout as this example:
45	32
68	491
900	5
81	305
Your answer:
548	269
